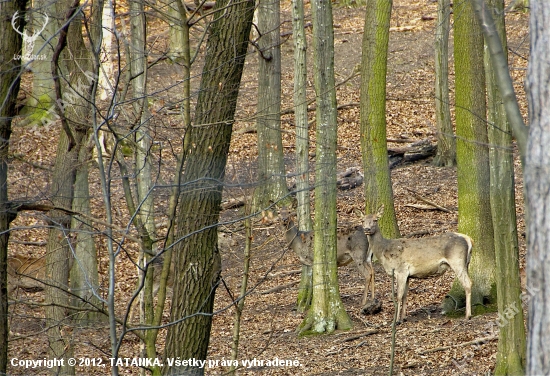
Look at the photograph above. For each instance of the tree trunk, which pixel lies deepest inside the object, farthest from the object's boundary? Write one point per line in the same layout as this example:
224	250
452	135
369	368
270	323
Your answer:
511	342
271	166
305	290
446	143
144	205
537	181
197	260
177	29
499	62
378	188
42	87
72	109
327	313
84	277
58	252
106	75
10	68
472	162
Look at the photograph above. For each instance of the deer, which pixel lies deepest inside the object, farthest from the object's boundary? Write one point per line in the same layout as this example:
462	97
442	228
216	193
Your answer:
420	258
352	246
25	273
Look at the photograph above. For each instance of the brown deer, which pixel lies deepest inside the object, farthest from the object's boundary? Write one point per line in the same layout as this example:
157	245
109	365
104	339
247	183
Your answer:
420	258
25	273
352	245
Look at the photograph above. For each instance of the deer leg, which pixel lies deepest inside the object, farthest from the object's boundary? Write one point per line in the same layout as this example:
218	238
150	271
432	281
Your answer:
404	304
467	284
401	292
367	272
371	279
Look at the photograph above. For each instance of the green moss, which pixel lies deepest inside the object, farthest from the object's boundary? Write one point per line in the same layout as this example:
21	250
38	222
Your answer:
39	111
455	302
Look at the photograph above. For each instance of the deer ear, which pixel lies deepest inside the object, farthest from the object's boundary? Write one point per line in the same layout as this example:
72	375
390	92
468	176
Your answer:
359	214
380	211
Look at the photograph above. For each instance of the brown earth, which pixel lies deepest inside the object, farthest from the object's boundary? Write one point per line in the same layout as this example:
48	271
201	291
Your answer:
426	344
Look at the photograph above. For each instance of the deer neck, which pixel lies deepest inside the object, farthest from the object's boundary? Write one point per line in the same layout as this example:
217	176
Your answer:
377	243
291	232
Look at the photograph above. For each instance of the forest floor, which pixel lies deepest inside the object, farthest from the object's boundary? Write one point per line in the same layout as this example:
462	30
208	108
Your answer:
428	343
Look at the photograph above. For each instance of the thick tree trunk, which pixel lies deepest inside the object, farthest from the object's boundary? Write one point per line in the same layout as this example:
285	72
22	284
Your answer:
499	62
84	278
378	188
327	312
511	342
58	252
537	181
72	109
10	68
197	260
472	162
271	167
43	95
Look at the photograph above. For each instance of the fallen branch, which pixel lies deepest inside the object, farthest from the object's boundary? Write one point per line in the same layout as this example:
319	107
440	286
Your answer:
429	202
279	288
477	341
285	273
360	335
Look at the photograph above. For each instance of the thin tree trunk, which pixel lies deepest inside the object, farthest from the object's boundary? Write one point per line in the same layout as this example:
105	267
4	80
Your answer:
239	306
378	188
446	143
302	144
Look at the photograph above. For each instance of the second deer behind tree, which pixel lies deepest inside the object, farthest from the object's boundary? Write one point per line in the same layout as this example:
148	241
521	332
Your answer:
352	245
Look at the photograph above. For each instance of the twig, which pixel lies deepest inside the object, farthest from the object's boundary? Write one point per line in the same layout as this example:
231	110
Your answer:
474	342
360	335
278	288
423	199
285	273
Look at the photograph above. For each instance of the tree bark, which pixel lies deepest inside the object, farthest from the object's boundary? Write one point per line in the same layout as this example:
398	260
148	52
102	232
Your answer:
10	70
537	181
327	312
43	95
446	143
511	342
302	144
472	162
271	166
499	62
84	278
378	188
197	259
71	109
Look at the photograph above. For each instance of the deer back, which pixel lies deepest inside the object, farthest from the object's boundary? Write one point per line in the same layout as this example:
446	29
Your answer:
426	257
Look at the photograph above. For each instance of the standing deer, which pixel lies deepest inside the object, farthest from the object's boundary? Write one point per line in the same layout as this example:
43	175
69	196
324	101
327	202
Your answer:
420	258
352	245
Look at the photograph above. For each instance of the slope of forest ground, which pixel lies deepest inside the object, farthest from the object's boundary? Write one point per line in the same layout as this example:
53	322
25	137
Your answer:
428	343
